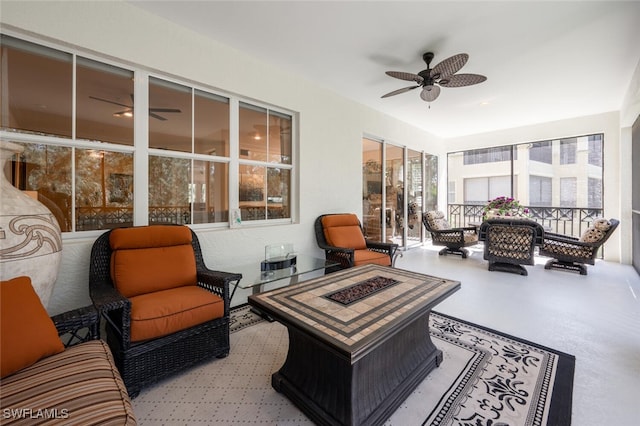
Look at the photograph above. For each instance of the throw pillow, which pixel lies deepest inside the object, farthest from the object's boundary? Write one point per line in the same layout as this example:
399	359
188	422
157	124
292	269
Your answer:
437	221
596	231
27	334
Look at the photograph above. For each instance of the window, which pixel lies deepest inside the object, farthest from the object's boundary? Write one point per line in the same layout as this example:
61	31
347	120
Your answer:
83	160
480	190
539	191
568	192
187	189
74	115
451	192
568	151
488	155
595	150
265	163
595	193
541	151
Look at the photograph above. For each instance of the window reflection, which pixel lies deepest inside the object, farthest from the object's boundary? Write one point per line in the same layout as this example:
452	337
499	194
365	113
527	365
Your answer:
36	88
169	190
210	194
169	116
45	170
211	124
104	102
104	189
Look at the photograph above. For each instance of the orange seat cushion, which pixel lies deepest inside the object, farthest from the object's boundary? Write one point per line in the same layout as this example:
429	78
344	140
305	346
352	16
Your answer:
27	334
164	312
365	257
152	258
343	230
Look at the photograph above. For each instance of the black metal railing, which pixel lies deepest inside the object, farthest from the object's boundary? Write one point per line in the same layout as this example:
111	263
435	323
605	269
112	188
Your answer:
571	221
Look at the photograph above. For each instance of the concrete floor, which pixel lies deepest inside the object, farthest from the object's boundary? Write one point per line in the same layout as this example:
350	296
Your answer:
596	318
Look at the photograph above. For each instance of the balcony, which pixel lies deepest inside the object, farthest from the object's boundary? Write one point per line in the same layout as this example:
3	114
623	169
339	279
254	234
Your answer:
571	221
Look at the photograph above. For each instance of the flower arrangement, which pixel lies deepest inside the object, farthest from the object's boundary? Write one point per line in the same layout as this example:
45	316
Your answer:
504	207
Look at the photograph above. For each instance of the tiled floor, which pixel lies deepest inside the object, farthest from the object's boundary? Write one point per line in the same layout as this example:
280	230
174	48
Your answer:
596	318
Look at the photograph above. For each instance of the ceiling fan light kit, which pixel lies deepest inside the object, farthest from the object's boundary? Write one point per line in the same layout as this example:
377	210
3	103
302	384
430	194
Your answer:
441	75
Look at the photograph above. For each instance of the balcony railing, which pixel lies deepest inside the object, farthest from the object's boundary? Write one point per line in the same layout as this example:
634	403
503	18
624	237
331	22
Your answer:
571	221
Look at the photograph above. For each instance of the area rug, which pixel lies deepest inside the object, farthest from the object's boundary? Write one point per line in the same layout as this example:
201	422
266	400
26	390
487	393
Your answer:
486	379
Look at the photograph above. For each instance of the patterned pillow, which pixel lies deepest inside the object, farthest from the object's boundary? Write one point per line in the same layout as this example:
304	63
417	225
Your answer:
437	221
596	232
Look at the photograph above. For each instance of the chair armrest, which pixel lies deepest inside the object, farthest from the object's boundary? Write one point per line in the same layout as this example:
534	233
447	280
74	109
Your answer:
560	237
218	282
106	298
113	307
344	256
391	247
70	325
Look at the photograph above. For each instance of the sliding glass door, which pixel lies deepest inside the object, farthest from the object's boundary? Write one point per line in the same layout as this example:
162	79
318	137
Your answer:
397	184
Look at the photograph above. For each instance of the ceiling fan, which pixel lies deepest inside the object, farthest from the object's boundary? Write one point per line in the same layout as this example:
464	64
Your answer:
129	111
443	74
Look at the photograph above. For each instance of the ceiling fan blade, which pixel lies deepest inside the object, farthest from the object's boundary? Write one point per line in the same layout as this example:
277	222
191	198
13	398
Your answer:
157	117
110	102
450	65
397	92
430	93
164	110
460	80
405	76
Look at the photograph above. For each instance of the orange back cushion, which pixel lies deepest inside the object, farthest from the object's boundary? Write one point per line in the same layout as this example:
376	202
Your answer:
27	334
151	258
343	230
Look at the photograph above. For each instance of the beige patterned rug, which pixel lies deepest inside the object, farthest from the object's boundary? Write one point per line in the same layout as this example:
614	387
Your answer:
486	378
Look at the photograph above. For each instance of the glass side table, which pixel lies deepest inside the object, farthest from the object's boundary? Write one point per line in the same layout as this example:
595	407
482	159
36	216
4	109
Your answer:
256	280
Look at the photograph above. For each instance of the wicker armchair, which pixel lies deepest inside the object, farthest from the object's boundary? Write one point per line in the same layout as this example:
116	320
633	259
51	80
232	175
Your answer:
570	253
342	239
453	239
510	243
144	361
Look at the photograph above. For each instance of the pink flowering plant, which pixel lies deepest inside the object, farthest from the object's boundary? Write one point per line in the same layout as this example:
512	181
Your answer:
504	207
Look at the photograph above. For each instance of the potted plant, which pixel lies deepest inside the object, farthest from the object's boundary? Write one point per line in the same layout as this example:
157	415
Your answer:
506	207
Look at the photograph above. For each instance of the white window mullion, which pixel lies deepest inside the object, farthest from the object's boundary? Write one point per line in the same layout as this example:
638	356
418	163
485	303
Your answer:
141	143
234	165
73	149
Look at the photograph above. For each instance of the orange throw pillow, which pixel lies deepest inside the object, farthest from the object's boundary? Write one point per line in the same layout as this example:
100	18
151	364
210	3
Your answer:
27	334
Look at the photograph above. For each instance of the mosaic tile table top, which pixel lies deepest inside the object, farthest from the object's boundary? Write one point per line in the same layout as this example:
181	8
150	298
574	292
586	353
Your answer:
350	308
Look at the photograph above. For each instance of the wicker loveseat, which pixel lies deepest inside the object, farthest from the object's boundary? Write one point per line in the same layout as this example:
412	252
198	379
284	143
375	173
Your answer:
164	309
53	369
341	237
510	243
570	253
453	239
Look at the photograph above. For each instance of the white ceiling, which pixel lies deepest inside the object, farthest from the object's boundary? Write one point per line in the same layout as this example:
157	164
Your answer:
544	60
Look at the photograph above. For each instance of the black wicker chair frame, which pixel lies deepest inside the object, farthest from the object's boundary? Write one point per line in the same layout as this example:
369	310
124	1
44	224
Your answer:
77	326
144	363
452	239
569	253
346	256
509	244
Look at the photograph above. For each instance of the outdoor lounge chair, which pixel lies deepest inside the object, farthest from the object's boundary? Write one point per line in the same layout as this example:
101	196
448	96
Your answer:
454	239
164	309
572	253
342	239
